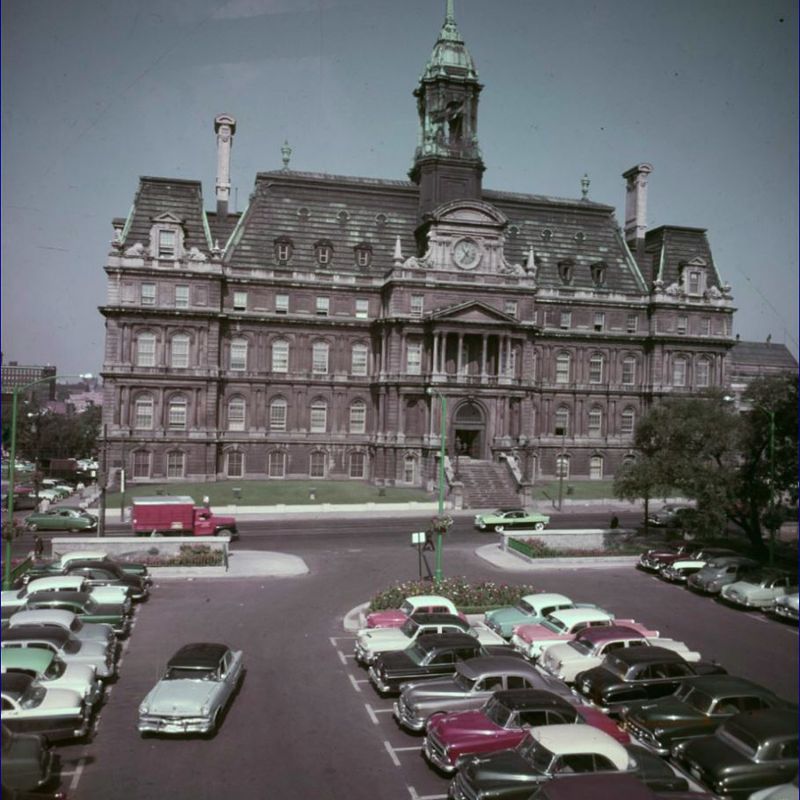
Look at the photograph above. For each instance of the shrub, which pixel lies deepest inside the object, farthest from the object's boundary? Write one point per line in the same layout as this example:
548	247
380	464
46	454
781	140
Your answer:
190	555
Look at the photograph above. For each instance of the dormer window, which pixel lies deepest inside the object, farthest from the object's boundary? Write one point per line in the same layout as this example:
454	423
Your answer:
598	273
363	254
283	250
166	244
166	237
566	271
694	282
323	252
693	276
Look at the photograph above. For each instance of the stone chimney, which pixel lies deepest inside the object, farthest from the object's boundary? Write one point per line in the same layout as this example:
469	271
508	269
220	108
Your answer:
224	127
636	208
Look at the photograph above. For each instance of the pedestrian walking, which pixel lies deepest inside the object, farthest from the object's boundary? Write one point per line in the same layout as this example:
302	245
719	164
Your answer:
38	546
614	522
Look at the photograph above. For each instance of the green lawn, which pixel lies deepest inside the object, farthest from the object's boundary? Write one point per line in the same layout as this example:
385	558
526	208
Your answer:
574	490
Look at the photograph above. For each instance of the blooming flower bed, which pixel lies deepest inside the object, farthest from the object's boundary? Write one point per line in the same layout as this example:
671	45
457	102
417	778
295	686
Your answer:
536	548
190	555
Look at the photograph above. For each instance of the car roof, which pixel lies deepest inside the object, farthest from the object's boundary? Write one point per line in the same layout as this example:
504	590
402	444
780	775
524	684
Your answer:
43	616
597	786
540	598
428	600
200	655
451	639
570	615
84	555
61	597
568	739
162	500
33	658
609	632
765	722
15	683
719	684
481	665
36	633
72	582
425	618
522	699
641	655
506	510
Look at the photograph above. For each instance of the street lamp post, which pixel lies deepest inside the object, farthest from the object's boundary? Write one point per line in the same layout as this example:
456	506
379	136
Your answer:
562	462
437	575
771	413
12	453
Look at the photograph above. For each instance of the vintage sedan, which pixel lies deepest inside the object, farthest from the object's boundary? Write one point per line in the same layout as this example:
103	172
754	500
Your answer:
502	723
85	631
61	519
108	574
588	649
529	610
29	707
698	708
748	752
44	569
86	608
28	762
719	572
671	516
785	607
52	671
638	673
415	604
505	519
681	570
607	786
197	686
759	589
15	600
473	683
555	750
651	559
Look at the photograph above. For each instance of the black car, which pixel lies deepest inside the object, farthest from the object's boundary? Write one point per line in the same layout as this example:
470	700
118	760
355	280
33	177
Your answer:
109	573
28	762
44	569
638	673
85	605
748	752
431	656
698	708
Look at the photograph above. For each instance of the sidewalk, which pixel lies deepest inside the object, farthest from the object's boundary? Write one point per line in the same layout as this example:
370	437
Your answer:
241	564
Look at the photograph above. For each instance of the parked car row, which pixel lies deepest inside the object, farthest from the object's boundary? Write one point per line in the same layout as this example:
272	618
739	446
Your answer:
60	646
729	576
566	696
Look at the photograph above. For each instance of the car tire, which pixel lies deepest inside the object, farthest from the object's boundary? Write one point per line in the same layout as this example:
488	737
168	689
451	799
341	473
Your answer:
224	532
539	526
32	526
499	528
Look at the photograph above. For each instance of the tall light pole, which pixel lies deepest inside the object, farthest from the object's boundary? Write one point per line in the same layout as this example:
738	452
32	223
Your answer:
437	574
12	453
772	520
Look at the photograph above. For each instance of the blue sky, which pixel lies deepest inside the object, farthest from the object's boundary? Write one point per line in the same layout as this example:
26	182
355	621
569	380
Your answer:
96	93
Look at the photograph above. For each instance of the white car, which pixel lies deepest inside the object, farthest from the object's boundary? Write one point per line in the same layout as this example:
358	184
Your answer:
786	607
14	600
679	571
560	626
590	647
85	631
760	589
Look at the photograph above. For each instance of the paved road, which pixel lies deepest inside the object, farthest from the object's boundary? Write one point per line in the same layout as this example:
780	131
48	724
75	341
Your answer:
306	724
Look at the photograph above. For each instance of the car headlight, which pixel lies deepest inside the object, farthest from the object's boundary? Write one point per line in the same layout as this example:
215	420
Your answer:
205	708
144	708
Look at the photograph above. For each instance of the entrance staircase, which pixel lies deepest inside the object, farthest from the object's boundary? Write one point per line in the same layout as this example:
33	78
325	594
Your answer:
487	484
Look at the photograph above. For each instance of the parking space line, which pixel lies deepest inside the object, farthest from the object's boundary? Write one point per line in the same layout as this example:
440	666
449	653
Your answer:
334	639
341	657
390	751
355	683
76	776
371	713
414	796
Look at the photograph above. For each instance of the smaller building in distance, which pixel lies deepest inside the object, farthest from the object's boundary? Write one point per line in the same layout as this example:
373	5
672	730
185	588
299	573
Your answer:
751	360
15	376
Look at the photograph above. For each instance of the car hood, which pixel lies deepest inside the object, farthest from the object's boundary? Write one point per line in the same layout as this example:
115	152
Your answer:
380	638
455	728
59	700
76	675
432	690
390	618
183	697
668	709
535	633
10	598
89	650
499	769
506	615
397	660
713	755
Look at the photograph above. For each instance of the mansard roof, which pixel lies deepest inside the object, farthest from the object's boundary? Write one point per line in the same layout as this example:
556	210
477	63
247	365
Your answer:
671	247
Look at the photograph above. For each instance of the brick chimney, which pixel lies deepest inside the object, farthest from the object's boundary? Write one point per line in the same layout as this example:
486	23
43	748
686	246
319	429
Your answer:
636	208
225	128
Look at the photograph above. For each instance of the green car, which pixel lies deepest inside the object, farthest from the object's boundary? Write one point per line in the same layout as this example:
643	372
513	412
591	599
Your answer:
117	615
61	519
509	518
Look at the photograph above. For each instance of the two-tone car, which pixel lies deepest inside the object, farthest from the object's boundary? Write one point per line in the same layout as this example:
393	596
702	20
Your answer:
28	763
103	574
61	519
505	519
759	589
472	684
651	559
529	610
86	607
85	631
414	604
697	708
45	569
746	753
671	515
590	647
719	572
786	608
638	673
14	600
29	707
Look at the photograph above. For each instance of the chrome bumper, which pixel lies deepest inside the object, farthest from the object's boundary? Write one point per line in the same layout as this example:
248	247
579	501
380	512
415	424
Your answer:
178	725
376	681
435	753
404	718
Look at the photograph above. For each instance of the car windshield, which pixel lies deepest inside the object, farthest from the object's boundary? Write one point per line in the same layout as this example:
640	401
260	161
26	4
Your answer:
536	754
189	674
584	648
409	627
416	653
463	682
496	711
55	670
738	738
524	607
616	665
554	624
32	696
695	698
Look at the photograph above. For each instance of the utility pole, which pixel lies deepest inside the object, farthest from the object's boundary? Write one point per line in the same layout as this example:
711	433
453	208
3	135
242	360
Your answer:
561	466
102	479
437	575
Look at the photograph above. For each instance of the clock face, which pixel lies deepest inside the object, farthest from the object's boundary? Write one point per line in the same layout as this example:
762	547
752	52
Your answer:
466	254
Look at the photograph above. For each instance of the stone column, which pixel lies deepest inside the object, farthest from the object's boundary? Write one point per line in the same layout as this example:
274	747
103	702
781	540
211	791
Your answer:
435	365
460	359
483	355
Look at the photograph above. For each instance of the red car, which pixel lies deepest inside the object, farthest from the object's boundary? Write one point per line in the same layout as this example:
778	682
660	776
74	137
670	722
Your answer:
503	723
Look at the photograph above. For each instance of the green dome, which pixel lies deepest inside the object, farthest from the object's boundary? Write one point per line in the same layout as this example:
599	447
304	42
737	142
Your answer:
450	56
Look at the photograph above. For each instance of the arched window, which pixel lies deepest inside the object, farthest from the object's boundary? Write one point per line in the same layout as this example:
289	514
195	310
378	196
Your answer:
563	368
596	368
628	371
237	410
359	359
596	421
175	464
409	469
323	251
143	412
599	273
627	422
280	356
358	416
276	464
316	464
146	350
141	464
277	414
283	249
566	270
562	421
562	465
234	464
179	351
357	465
318	422
596	468
363	254
239	354
176	413
702	373
679	371
319	358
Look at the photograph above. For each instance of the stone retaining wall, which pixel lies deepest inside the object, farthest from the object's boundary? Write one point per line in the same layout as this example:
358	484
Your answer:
136	548
575	539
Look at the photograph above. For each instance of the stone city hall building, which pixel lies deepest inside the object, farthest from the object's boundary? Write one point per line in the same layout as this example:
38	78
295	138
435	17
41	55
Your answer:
314	333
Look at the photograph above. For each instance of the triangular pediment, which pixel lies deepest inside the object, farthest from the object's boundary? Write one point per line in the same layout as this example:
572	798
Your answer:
169	218
697	261
473	312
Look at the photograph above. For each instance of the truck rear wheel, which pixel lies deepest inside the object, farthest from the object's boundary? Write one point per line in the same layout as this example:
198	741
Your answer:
156	533
224	532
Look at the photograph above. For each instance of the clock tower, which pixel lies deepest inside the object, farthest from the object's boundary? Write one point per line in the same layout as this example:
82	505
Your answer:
447	162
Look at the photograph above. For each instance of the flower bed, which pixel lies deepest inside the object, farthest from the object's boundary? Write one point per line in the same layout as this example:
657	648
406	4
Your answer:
536	548
468	597
190	555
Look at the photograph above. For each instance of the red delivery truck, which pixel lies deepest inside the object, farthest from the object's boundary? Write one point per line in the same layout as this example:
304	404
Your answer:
178	516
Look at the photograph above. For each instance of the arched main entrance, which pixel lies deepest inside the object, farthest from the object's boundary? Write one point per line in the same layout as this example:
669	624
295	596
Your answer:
469	430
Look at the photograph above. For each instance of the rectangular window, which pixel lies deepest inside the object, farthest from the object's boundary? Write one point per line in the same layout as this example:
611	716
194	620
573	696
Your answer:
277	464
319	365
177	415
240	301
281	303
414	358
682	324
595	422
146	350
239	355
562	368
236	414
510	307
632	323
280	357
316	465
356	465
694	283
596	468
679	372
705	327
277	415
323	306
148	294
417	305
362	309
141	464
358	365
628	420
358	418
702	373
235	465
410	470
181	297
362	257
179	352
144	413
599	320
596	369
629	371
319	418
175	465
283	251
566	320
166	244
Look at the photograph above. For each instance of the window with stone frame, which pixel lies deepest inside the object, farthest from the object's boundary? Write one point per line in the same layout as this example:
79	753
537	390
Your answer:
358	416
561	427
510	307
147	294
283	249
705	327
146	350
166	237
240	301
177	413
596	368
679	371
143	412
702	373
323	306
628	371
595	421
598	271
363	255
413	358
234	464
179	351
409	469
417	305
359	356
276	464
563	368
318	417
562	465
176	461
362	308
280	356
141	464
681	324
281	303
632	323
237	413
323	253
596	468
693	282
599	320
167	243
319	358
565	320
627	422
238	351
566	271
357	465
316	464
181	296
277	414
